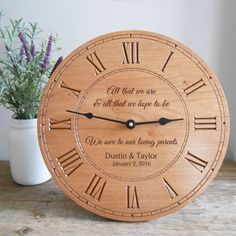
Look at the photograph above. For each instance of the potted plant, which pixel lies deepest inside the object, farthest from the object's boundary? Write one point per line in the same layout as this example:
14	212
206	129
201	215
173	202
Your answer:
24	70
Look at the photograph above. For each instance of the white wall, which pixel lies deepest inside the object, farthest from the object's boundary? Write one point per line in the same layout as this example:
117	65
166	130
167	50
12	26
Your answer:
206	26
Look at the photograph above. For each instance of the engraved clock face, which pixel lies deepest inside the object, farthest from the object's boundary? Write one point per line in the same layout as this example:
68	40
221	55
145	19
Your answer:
133	125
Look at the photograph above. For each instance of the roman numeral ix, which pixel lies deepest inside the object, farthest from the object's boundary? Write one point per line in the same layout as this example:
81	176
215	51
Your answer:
131	53
196	162
74	91
59	124
132	197
94	60
204	123
96	187
69	161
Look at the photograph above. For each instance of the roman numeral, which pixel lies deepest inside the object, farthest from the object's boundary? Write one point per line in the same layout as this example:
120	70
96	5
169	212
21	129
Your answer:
166	62
76	92
193	87
172	193
59	124
131	53
204	123
70	161
132	198
96	187
94	60
197	162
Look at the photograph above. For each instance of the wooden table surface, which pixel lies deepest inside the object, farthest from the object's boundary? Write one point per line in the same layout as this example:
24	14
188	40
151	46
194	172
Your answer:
45	210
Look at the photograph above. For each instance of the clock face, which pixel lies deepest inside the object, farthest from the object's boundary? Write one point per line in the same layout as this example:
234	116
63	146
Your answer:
133	125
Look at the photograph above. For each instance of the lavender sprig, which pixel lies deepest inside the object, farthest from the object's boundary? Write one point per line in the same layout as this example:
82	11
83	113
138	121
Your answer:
21	54
46	59
21	51
21	81
58	62
25	46
32	51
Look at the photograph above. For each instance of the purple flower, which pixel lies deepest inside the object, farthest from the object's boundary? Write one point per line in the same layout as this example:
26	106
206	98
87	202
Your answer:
25	46
21	54
47	54
58	62
32	50
21	51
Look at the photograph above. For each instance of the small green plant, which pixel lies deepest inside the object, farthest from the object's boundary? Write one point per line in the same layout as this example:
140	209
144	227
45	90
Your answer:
25	67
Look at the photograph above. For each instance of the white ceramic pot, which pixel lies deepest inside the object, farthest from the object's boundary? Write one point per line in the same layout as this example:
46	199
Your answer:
26	161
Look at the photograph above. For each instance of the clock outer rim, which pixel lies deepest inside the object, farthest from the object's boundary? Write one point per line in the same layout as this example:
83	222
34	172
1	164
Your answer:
85	46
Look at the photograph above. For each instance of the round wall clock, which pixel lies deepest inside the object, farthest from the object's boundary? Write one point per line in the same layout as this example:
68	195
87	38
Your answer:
133	125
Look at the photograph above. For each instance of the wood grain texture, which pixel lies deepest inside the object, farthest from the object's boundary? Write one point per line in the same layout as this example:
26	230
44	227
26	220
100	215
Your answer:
133	125
45	210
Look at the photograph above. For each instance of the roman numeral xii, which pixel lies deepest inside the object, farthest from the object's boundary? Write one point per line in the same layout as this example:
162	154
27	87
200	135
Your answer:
130	52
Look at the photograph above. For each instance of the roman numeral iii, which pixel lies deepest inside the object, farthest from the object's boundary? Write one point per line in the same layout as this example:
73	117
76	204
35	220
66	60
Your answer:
59	124
196	162
94	60
74	91
130	52
172	193
69	162
204	123
132	197
96	187
194	87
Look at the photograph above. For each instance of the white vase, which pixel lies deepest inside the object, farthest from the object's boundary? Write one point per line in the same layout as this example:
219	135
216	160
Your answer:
26	162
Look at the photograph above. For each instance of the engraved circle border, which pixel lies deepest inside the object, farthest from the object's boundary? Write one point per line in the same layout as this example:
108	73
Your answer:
157	76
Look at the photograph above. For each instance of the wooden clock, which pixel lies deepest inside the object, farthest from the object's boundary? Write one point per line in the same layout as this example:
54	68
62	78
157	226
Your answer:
133	125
